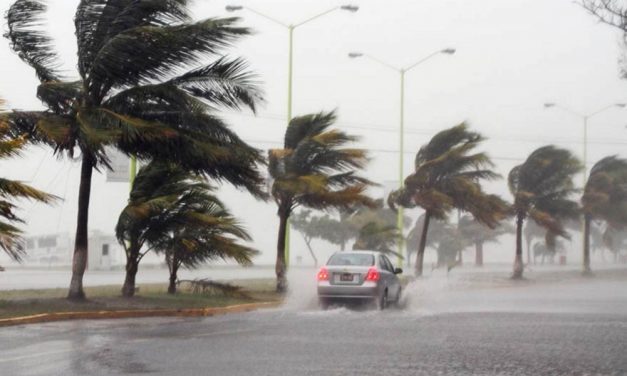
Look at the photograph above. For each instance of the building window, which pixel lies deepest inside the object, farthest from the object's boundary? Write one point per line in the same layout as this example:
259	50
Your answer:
105	249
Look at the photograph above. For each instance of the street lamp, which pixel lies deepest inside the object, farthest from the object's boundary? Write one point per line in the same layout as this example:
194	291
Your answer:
584	117
401	71
290	28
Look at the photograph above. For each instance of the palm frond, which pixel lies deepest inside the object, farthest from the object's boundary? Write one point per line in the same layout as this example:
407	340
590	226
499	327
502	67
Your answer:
33	45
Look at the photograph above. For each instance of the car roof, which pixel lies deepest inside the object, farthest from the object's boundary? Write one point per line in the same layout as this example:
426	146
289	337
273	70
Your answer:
360	252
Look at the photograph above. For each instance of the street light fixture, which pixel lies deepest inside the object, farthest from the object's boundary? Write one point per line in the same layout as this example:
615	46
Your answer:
584	117
401	71
290	28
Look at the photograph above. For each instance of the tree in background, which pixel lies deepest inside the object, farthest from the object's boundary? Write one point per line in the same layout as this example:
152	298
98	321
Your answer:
542	187
530	232
142	89
174	212
477	234
448	176
309	227
10	190
437	230
604	199
314	170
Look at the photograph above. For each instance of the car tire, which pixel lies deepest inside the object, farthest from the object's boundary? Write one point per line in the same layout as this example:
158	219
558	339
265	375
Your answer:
323	304
381	302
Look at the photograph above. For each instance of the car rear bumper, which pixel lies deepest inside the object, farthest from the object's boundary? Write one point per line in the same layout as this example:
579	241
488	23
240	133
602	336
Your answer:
348	292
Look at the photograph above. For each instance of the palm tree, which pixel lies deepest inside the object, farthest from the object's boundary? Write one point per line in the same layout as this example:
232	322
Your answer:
314	170
477	234
10	235
174	212
541	187
375	227
604	198
131	94
437	232
448	176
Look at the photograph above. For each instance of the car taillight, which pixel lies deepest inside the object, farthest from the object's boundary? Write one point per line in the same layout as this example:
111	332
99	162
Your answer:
323	274
373	275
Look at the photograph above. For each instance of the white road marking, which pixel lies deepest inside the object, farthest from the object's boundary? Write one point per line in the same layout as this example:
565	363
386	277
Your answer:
17	358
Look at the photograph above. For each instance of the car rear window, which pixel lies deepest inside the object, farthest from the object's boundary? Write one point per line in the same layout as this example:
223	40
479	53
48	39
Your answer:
351	259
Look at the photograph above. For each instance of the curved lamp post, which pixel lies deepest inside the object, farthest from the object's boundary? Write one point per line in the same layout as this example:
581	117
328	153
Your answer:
401	71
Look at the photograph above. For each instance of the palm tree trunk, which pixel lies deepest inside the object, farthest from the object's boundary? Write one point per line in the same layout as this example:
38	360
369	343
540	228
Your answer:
281	280
422	244
518	262
528	241
173	275
132	266
586	245
478	253
79	261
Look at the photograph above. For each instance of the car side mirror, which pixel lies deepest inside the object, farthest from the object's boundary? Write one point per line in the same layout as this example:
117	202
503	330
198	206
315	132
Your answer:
398	271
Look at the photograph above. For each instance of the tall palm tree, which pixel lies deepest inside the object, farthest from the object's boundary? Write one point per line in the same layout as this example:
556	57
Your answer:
604	198
542	187
448	176
314	170
174	212
130	94
11	190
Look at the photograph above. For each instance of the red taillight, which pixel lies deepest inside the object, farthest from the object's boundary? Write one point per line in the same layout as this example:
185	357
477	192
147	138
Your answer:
323	274
373	275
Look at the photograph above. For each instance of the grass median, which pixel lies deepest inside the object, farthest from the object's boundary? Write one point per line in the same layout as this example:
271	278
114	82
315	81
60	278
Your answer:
17	303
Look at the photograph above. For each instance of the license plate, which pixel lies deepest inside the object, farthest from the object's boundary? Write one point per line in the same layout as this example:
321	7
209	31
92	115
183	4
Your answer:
346	278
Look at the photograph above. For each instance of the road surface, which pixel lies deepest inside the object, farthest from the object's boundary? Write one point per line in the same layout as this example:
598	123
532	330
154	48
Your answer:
576	328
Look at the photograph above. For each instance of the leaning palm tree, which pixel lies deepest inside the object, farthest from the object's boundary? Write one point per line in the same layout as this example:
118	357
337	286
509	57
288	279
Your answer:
143	87
542	187
604	199
10	190
173	211
448	176
314	170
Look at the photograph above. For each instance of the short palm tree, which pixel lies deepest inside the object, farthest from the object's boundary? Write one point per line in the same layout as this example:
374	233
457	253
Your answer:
542	187
448	175
477	234
11	190
314	170
173	211
604	198
141	88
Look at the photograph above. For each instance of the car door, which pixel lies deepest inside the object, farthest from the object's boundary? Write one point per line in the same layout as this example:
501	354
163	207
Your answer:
394	283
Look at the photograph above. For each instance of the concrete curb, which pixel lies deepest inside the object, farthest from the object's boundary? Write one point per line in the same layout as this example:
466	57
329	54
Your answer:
181	312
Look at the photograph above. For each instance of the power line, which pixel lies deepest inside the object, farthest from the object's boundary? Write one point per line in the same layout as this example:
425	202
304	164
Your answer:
430	132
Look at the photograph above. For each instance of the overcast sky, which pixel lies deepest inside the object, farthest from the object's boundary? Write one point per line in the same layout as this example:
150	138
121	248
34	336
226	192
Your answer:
512	56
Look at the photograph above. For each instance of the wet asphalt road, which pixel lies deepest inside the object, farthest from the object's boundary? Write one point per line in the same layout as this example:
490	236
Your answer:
576	329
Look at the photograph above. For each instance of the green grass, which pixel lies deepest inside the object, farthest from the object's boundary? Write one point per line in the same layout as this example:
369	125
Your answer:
17	303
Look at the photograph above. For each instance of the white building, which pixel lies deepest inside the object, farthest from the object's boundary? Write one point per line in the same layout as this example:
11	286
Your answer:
56	250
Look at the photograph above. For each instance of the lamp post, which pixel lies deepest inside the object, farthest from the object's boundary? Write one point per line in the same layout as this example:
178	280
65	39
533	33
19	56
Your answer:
290	29
402	71
585	118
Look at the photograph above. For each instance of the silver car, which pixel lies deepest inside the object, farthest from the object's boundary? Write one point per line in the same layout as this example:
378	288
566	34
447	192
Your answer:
359	276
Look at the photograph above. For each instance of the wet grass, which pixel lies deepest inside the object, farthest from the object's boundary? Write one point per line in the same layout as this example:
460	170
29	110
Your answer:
16	303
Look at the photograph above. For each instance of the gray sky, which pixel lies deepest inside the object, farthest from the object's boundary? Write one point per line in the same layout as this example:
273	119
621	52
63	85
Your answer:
512	56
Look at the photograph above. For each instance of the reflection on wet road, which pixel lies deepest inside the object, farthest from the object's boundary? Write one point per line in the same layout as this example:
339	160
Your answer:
575	328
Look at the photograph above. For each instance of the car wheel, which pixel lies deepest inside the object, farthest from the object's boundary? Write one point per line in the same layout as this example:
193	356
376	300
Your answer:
323	304
382	301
